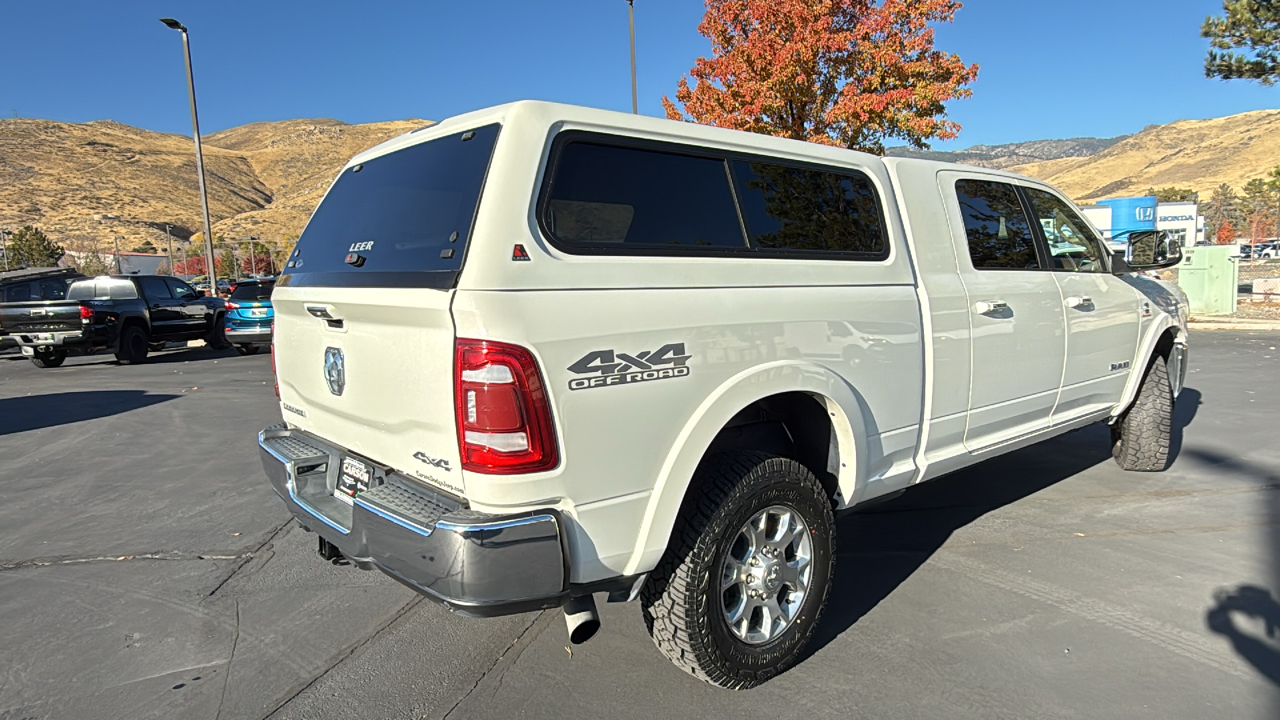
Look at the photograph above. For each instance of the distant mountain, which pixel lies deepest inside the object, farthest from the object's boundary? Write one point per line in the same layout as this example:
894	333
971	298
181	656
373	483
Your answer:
1003	156
89	183
1194	154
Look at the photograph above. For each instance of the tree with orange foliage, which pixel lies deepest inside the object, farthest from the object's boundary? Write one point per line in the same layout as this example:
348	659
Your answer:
1226	234
850	73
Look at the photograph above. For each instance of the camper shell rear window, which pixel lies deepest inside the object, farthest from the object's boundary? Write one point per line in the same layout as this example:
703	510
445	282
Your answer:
399	220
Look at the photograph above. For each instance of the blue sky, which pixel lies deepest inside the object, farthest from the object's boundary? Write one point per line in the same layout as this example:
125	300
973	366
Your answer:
1049	70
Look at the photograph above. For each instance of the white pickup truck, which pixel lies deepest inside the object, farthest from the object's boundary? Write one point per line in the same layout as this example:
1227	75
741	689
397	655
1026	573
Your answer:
537	352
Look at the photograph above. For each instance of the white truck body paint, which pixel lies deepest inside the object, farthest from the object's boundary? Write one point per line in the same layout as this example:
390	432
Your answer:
916	378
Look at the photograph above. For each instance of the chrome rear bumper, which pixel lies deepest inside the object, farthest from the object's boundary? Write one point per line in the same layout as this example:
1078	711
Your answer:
474	563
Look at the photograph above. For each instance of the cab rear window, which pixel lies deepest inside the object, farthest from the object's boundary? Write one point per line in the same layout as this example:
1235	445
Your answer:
402	219
102	288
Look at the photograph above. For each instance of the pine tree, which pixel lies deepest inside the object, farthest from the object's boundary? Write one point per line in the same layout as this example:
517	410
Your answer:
1223	208
1258	206
1173	194
1245	42
28	247
225	264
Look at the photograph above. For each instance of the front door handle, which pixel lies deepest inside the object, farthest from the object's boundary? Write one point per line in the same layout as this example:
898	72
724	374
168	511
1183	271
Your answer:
988	307
1076	301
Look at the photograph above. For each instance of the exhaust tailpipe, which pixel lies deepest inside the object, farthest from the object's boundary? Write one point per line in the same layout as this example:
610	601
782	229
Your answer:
580	615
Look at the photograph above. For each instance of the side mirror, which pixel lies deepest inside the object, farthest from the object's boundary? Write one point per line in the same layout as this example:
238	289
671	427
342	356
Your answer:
199	293
1149	250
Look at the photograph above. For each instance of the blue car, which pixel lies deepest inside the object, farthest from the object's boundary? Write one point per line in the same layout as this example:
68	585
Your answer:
249	315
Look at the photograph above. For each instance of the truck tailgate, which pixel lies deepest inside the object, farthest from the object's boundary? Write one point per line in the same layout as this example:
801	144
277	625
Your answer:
39	316
371	370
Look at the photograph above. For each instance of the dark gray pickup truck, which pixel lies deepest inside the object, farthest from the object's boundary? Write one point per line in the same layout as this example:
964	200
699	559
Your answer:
127	315
30	284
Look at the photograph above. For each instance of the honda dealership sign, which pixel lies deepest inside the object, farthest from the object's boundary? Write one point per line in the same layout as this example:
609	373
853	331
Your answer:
1132	213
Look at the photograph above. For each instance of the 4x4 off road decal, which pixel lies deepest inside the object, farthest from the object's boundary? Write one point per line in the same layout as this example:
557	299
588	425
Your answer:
609	367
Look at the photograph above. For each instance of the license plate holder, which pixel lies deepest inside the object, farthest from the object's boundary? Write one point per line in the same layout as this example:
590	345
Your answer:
354	477
257	313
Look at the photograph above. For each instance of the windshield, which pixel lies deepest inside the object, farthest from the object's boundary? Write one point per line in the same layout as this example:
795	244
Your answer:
252	291
402	219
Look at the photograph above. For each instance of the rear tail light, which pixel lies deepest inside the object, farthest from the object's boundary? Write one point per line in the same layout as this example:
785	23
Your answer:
86	312
504	417
231	305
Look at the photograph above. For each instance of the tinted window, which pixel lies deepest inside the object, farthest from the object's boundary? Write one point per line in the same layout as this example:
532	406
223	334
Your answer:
252	291
1072	243
996	227
181	290
20	292
405	212
102	288
788	208
53	289
603	196
155	289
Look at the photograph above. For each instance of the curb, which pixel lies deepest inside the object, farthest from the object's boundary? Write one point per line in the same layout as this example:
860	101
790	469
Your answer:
1254	325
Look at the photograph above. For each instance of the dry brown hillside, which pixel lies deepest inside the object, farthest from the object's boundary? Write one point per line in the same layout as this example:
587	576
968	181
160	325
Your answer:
91	182
1195	154
59	176
297	159
87	183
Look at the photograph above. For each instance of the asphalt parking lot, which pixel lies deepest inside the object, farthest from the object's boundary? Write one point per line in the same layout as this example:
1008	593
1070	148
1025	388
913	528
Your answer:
147	571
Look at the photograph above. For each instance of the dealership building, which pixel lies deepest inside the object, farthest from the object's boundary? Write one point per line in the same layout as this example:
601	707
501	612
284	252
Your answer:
1182	220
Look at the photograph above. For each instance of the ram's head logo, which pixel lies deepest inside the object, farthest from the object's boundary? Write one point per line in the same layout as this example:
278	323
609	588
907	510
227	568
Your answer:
335	370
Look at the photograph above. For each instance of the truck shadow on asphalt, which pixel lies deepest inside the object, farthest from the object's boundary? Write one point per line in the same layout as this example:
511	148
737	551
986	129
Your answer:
162	357
879	548
32	412
1249	615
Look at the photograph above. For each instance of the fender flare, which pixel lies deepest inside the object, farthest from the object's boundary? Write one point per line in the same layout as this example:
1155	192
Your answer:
124	320
843	407
1146	351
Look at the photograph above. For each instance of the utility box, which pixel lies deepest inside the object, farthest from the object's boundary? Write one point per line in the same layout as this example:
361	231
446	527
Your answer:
1210	276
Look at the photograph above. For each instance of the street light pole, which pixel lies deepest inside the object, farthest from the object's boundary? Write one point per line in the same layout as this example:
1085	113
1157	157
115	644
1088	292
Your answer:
169	253
210	268
631	13
4	247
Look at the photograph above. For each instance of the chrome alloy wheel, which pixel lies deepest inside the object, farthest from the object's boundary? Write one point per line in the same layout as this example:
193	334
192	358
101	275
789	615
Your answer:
766	574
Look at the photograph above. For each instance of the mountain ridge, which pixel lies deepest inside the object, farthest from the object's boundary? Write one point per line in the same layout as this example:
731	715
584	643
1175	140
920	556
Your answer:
1007	155
86	184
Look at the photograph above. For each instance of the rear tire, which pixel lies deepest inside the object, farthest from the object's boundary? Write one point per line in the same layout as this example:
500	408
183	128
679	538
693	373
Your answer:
133	346
48	359
247	349
218	335
690	598
1140	439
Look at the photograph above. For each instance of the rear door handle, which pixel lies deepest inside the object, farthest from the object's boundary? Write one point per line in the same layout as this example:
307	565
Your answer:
987	307
328	314
1076	301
